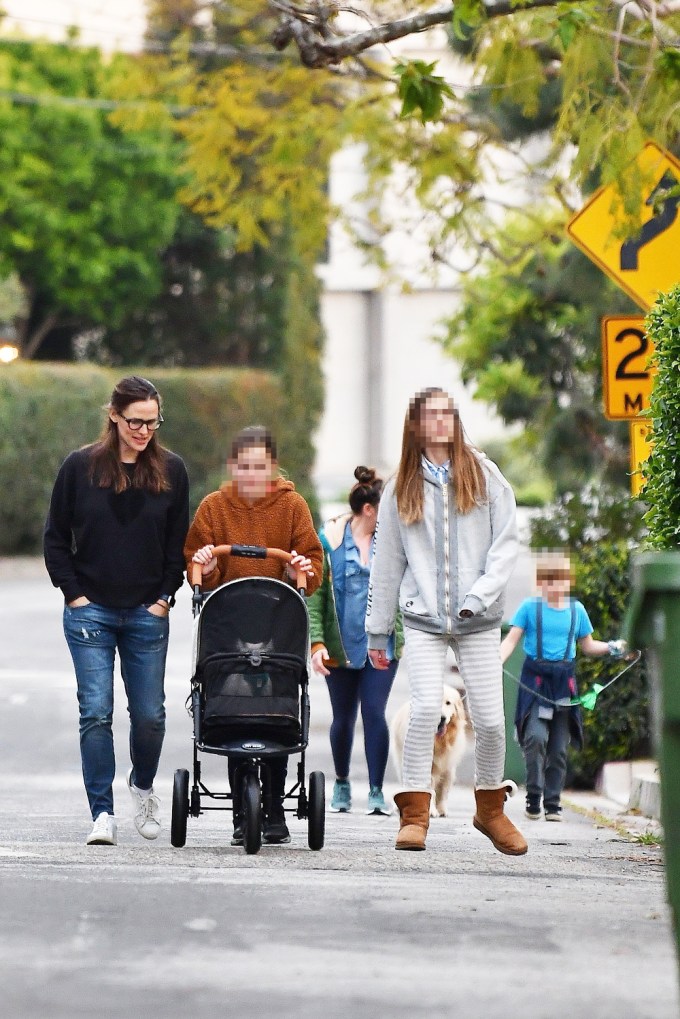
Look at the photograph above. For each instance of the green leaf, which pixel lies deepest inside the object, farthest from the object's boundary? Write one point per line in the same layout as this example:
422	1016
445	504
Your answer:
569	23
467	14
420	89
668	66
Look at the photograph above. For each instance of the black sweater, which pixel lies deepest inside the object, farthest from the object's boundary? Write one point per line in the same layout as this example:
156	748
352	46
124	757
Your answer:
119	550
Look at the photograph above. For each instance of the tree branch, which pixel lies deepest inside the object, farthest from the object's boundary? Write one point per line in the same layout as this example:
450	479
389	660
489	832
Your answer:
308	27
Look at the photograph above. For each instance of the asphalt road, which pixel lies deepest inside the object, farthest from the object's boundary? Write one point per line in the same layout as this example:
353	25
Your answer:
578	927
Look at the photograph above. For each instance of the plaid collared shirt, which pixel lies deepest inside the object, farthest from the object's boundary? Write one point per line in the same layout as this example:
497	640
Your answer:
438	471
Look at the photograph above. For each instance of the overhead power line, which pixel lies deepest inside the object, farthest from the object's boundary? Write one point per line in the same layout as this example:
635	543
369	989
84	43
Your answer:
154	44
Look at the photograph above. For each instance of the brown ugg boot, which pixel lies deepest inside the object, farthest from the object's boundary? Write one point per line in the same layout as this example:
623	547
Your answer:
493	823
414	814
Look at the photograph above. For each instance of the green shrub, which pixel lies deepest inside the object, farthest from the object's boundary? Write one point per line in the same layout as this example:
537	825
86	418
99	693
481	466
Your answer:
46	410
600	529
618	729
661	492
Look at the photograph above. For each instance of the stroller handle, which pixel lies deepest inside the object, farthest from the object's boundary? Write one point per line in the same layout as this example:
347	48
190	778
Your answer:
248	552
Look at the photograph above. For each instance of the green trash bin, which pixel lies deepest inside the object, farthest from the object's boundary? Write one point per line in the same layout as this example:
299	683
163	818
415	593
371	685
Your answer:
514	758
653	622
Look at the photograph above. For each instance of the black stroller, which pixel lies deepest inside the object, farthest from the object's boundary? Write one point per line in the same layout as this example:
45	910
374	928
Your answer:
249	697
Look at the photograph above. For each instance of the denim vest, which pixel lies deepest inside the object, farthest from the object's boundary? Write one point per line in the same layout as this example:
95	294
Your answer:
350	587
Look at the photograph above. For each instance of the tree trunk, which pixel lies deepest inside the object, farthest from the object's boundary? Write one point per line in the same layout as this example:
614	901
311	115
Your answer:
30	342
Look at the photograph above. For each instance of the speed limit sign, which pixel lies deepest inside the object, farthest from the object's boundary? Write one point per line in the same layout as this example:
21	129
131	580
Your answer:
627	374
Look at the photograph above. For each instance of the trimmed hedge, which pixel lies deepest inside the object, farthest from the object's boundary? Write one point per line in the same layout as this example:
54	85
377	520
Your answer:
661	492
618	729
46	410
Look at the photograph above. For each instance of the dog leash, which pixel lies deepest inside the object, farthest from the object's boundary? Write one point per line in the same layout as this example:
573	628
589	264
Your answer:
586	700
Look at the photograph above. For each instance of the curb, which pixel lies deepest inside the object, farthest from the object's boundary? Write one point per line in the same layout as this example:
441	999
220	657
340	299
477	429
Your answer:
633	786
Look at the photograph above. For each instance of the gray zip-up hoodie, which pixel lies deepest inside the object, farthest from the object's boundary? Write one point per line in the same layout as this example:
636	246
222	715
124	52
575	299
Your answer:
446	562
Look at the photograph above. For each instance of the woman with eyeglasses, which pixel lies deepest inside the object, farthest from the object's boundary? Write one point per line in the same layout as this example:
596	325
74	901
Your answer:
113	543
446	544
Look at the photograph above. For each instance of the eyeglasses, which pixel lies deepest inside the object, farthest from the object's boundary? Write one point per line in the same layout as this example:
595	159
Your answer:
134	424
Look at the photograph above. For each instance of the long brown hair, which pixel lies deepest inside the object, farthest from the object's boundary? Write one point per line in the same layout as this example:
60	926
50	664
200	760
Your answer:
106	469
466	474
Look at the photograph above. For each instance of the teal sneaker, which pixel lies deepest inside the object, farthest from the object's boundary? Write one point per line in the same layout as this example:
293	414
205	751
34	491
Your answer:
376	802
341	803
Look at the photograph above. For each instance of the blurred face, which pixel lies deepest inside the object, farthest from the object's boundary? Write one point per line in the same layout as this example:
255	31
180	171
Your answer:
555	585
136	426
370	515
253	471
437	421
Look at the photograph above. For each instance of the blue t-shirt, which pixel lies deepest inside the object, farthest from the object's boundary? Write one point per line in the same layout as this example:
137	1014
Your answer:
556	626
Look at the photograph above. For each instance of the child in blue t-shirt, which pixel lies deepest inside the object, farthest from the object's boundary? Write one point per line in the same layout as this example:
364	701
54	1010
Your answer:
552	625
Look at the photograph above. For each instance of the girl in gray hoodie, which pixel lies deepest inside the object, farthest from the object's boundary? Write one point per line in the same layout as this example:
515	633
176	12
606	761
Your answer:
446	544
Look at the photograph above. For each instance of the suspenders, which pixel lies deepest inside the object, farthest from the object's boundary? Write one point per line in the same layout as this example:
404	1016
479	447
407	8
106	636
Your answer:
539	630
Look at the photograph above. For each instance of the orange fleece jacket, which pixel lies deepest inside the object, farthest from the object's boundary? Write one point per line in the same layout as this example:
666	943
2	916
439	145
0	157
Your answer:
280	520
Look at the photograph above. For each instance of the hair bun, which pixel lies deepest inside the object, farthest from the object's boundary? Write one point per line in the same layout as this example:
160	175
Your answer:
365	475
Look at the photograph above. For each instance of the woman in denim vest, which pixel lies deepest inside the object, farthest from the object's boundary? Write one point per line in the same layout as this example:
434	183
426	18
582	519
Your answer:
339	643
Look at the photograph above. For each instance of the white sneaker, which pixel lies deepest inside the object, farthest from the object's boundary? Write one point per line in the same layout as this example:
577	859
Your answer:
103	831
147	809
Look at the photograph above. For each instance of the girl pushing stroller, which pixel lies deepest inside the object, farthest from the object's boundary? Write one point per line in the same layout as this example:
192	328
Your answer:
252	644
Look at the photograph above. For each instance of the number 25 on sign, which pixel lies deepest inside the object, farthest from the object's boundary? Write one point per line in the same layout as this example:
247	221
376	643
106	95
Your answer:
627	376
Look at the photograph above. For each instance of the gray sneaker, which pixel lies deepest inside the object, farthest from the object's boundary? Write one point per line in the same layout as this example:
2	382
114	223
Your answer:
341	802
376	802
147	811
103	832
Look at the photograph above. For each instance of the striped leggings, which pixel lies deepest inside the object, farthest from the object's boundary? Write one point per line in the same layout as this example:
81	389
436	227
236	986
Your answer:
479	662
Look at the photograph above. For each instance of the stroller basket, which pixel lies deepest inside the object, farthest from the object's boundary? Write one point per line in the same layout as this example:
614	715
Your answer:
259	699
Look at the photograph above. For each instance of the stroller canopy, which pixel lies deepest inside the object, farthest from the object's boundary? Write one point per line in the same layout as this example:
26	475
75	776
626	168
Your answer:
254	615
252	651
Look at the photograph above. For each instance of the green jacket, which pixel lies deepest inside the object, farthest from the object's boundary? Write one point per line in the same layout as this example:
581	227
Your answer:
324	626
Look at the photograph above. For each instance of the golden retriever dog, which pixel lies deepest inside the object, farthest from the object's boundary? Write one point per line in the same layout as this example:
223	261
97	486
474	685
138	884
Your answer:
449	746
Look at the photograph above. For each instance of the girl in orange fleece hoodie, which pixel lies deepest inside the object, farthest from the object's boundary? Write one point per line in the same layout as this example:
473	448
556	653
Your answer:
257	507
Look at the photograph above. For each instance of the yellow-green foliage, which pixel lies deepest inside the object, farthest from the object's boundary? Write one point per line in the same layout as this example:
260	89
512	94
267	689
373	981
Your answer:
263	128
259	145
46	410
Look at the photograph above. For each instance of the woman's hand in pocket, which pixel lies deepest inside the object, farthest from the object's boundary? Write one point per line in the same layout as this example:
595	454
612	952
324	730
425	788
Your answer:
159	609
79	603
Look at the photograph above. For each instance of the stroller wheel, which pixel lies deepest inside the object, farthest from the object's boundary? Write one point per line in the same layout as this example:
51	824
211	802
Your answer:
180	808
317	810
252	814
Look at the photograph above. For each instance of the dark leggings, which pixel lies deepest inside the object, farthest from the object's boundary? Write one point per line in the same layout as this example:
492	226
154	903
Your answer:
371	688
278	769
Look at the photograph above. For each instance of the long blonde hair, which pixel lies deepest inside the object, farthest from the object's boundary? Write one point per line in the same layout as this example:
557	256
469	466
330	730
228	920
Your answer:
466	473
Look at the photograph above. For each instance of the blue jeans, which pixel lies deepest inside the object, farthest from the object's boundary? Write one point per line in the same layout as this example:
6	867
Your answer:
371	688
93	633
545	746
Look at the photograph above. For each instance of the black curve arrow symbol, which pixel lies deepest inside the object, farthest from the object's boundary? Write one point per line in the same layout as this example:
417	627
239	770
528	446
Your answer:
653	227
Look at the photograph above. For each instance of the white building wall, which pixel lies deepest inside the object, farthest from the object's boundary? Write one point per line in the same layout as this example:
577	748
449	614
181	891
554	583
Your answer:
380	351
